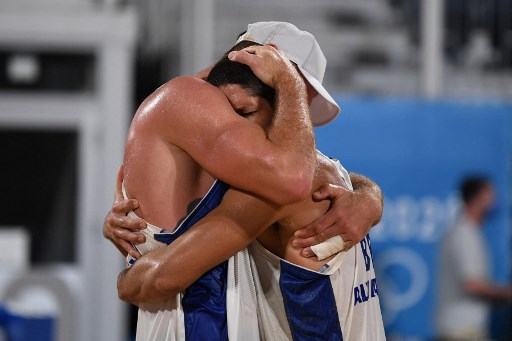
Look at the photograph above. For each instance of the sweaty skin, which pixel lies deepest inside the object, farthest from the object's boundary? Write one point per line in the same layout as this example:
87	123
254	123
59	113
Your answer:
279	237
187	133
277	160
239	219
229	228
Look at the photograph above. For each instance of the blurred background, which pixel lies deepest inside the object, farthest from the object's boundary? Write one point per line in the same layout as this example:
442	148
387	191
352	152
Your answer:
425	88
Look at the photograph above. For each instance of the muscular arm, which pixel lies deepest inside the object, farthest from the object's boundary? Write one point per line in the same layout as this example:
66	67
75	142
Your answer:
277	164
169	270
352	214
370	196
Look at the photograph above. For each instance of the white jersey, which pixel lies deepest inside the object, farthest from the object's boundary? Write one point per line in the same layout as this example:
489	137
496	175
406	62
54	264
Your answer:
263	297
200	312
293	303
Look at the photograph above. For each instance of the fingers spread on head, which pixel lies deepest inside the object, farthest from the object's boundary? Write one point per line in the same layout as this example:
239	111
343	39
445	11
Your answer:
240	57
232	56
254	49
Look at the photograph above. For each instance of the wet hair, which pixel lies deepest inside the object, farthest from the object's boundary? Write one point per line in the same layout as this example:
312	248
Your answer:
227	72
472	186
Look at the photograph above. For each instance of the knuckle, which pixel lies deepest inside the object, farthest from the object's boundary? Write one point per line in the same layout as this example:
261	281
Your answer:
339	215
122	222
133	204
117	221
320	238
106	224
317	229
135	223
116	235
133	238
116	207
127	206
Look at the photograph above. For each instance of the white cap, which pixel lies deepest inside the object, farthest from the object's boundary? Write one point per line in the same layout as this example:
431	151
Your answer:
301	48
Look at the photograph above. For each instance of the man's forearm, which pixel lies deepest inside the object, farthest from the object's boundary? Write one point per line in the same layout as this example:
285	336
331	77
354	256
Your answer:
370	194
292	155
140	282
169	270
292	130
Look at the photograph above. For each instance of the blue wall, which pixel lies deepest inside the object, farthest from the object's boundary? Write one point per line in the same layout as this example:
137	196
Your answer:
417	151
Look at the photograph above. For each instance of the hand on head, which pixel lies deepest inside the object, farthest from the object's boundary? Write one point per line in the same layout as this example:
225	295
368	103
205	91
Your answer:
267	62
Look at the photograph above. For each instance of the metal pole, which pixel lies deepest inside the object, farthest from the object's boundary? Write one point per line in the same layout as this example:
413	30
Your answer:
432	27
197	35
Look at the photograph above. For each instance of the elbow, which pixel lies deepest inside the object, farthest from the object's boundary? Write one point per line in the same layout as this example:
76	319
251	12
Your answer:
295	187
123	295
379	210
303	185
165	287
288	180
123	291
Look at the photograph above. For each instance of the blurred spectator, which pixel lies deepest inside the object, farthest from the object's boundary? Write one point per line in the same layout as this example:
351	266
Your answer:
466	291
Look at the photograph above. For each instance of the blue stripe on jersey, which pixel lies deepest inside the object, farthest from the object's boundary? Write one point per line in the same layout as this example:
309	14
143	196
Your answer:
204	302
310	305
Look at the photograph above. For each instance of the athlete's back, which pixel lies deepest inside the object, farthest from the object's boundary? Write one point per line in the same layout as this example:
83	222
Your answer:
159	174
188	125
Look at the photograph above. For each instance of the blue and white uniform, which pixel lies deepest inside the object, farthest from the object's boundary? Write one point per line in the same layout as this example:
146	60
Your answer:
294	303
200	312
255	295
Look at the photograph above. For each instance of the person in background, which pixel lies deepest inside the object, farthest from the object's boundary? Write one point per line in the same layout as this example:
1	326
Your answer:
466	291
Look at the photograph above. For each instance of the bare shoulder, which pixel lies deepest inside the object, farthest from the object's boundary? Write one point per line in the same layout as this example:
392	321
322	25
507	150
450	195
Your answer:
186	83
170	92
182	97
178	102
187	87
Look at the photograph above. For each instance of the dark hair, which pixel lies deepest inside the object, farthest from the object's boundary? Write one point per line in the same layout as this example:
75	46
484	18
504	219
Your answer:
471	187
227	72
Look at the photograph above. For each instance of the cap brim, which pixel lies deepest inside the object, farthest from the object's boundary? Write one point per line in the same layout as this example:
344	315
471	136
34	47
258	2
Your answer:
324	108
